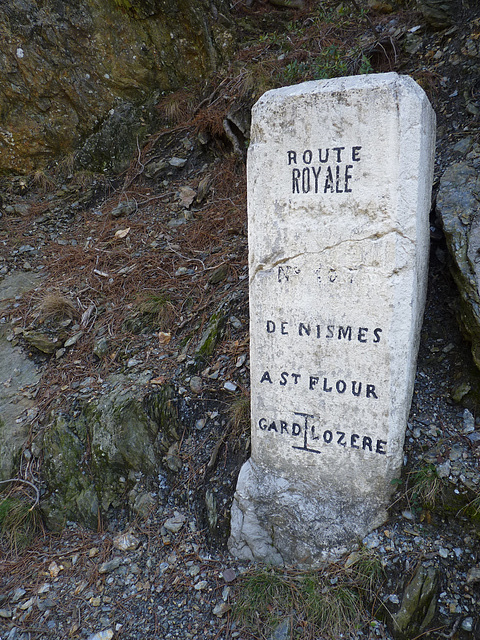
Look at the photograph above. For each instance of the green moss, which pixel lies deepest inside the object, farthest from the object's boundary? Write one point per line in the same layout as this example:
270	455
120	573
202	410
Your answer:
136	8
88	459
161	408
68	474
210	338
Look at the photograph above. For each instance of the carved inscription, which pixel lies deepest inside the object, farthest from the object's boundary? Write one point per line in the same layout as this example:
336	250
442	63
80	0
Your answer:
308	435
324	331
307	431
327	170
324	275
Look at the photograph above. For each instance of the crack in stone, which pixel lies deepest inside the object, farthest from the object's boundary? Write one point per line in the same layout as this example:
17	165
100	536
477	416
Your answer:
269	264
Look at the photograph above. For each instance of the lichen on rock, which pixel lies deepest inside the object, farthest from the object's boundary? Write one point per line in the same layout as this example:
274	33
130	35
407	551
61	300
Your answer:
91	458
418	604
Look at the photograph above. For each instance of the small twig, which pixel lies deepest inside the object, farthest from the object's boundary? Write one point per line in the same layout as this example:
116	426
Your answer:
185	257
162	195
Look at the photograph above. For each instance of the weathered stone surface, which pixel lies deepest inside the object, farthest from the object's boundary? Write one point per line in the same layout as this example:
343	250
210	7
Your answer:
418	604
210	337
89	459
41	341
18	378
74	72
338	252
458	204
439	14
18	375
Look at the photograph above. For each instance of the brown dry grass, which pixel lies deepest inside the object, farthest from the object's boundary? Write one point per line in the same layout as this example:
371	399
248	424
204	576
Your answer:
55	306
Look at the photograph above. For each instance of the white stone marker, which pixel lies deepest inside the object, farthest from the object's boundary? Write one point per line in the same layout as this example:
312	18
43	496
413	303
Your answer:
339	185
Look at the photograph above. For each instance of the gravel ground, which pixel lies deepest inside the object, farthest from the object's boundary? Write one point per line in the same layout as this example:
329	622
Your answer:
164	577
167	574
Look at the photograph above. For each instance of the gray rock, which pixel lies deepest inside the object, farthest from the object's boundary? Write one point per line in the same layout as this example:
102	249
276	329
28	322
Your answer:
443	470
18	377
458	204
468	422
219	274
88	457
467	624
106	634
439	14
124	209
212	513
221	609
41	341
418	604
101	347
142	504
111	565
210	337
177	162
174	524
282	632
196	384
18	594
473	575
173	460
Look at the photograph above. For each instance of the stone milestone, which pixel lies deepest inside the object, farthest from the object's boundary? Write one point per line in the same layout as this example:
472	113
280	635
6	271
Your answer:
339	186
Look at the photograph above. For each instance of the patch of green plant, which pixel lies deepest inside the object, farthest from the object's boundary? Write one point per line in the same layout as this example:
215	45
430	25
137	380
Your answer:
367	570
365	65
274	39
472	510
135	8
240	415
265	597
126	6
428	487
328	603
19	523
155	305
331	63
331	606
327	12
295	72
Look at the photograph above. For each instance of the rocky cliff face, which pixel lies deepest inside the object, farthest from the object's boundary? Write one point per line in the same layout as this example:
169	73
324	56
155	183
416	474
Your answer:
69	70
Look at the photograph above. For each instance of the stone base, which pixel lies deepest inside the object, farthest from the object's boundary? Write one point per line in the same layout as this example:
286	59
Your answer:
280	522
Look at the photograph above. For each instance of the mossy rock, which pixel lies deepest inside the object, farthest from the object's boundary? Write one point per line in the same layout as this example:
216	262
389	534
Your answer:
418	605
160	407
104	65
89	458
210	338
68	477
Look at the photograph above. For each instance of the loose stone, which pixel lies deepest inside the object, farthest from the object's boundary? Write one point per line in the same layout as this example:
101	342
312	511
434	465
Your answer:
111	565
174	524
221	609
